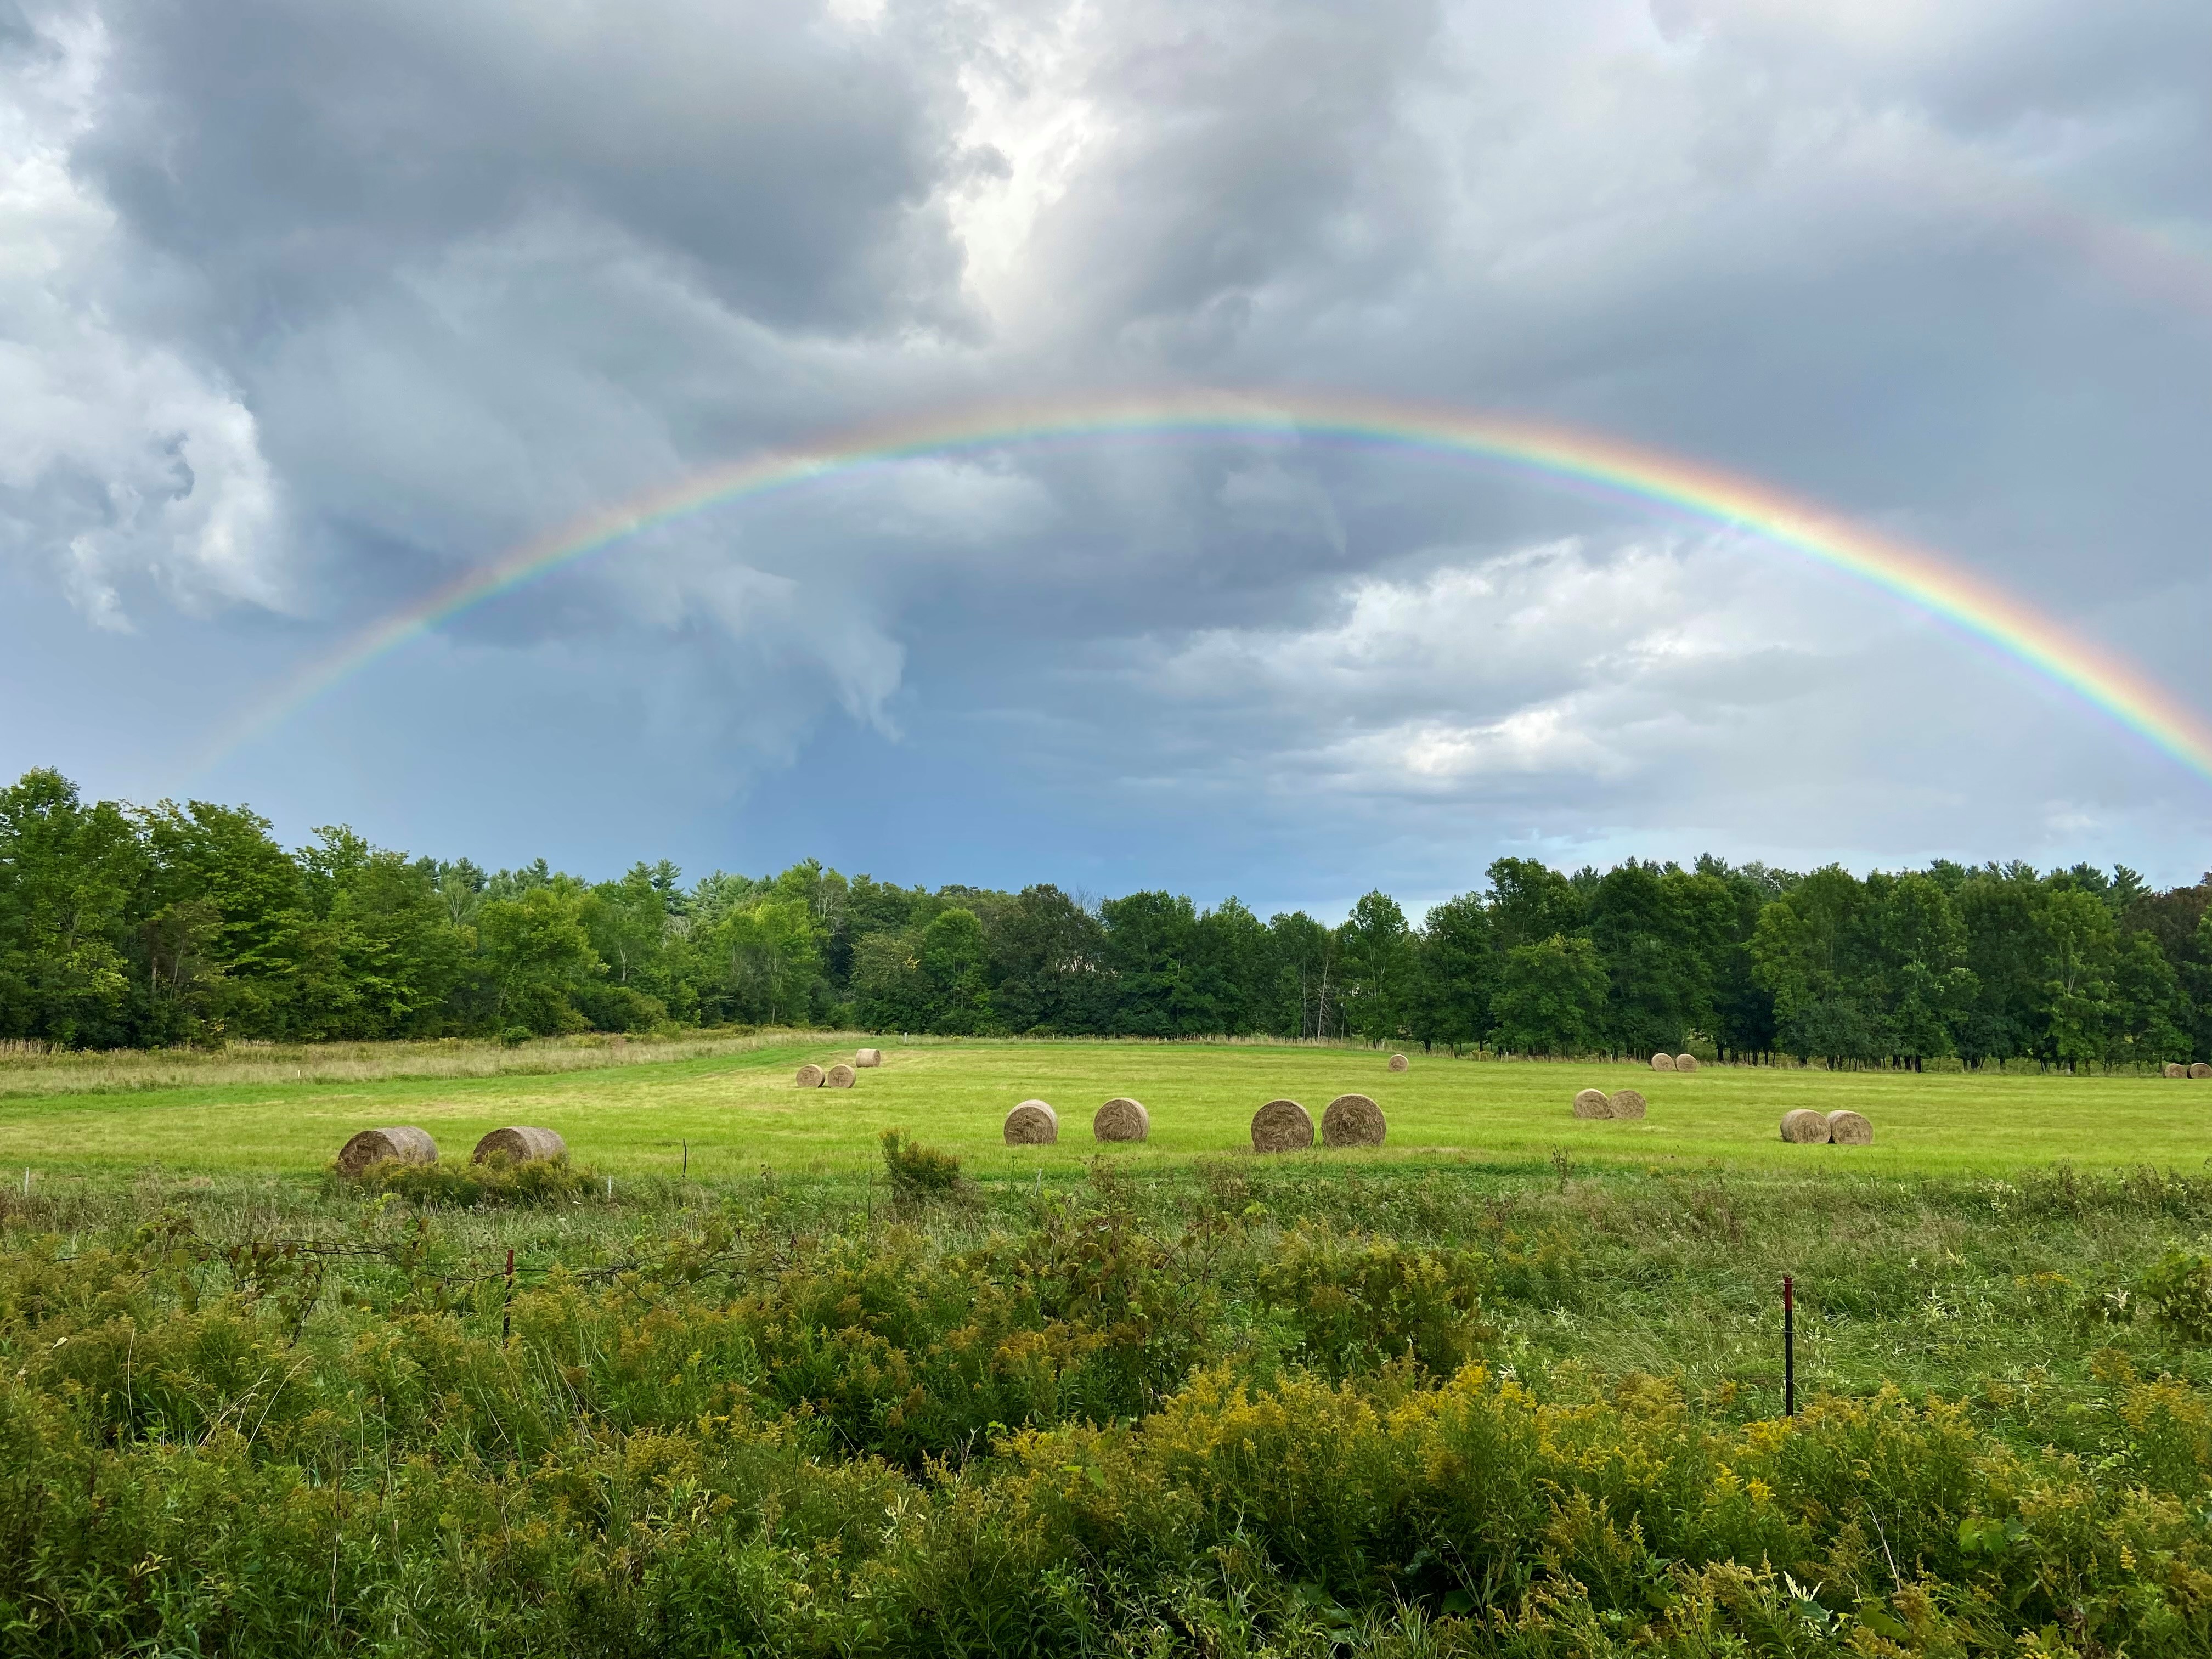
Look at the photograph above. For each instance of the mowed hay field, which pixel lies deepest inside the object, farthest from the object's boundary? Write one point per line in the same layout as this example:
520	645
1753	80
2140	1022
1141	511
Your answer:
731	1114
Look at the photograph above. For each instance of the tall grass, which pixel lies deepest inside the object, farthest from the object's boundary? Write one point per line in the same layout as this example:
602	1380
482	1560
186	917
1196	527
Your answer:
1234	1409
38	1070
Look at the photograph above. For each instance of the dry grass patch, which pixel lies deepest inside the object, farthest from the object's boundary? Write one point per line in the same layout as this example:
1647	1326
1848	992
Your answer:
36	1069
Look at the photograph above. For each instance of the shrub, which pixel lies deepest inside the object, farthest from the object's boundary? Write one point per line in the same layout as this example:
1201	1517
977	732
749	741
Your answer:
622	1008
496	1180
2180	1288
1358	1303
917	1172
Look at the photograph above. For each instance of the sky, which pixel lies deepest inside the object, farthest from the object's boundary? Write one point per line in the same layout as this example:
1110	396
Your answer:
306	313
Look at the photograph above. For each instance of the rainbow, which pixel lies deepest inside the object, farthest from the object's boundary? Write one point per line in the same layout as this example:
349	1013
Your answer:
1560	453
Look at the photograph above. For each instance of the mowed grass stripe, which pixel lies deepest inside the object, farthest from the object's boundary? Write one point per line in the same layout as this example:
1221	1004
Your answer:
739	1113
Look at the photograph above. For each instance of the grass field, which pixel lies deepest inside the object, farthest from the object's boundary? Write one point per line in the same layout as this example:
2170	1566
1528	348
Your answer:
732	1108
1509	1387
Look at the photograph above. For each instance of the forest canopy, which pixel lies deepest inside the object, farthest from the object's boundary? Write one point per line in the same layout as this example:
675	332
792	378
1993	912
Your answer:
125	926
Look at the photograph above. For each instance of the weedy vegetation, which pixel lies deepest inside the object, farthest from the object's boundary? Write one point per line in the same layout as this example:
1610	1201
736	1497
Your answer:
1220	1407
495	1180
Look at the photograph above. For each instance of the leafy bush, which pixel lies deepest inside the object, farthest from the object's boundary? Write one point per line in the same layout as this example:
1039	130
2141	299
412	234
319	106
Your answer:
917	1172
496	1180
1359	1302
910	1353
622	1008
2179	1288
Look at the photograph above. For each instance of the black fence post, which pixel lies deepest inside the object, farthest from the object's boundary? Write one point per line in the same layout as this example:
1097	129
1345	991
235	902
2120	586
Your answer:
1788	1347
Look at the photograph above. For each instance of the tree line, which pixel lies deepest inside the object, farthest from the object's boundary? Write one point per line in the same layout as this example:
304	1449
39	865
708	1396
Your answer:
125	926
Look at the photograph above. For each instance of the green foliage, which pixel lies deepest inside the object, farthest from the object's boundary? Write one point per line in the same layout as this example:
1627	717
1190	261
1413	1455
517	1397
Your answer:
2180	1288
952	959
762	955
1359	1304
1065	1427
495	1180
1457	975
1379	975
917	1172
69	870
190	925
1552	997
537	952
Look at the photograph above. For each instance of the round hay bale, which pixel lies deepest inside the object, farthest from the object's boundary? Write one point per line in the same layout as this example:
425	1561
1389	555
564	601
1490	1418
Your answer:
2173	1070
1032	1123
1352	1121
2200	1069
1281	1125
1662	1063
1805	1128
1625	1102
1591	1103
812	1077
401	1144
1121	1119
1850	1129
519	1146
838	1077
1398	1062
868	1057
1685	1062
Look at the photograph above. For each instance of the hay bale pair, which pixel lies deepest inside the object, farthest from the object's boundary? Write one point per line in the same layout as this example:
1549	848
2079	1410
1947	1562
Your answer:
405	1144
837	1077
1034	1122
1805	1127
1621	1103
1283	1126
1673	1062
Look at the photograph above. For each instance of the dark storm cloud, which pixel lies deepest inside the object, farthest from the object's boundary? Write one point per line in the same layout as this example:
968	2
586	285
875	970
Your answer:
326	306
295	155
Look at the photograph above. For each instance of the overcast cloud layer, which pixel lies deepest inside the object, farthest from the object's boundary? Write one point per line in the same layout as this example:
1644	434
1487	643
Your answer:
305	311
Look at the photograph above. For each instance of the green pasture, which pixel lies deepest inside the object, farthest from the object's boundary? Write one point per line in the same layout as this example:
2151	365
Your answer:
737	1114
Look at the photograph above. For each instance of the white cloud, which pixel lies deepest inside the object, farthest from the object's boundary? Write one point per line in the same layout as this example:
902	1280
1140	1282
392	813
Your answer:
121	463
